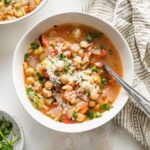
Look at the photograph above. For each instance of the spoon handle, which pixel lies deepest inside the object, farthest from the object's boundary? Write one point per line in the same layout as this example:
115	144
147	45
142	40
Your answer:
143	102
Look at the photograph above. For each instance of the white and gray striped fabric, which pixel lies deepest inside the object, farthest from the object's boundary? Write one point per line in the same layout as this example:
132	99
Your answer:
132	19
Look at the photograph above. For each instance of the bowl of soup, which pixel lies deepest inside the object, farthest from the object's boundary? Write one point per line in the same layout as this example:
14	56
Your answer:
12	10
59	75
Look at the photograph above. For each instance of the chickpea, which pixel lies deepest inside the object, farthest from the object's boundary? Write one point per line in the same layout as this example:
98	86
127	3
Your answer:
94	96
37	86
92	103
25	65
48	85
80	117
30	80
48	102
64	79
67	87
46	93
29	71
84	44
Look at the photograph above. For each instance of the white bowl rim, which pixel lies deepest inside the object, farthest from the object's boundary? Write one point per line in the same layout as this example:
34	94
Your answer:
80	127
18	125
43	2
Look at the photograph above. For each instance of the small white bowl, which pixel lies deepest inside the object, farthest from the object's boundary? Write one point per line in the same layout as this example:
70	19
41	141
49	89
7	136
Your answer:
43	2
16	127
116	38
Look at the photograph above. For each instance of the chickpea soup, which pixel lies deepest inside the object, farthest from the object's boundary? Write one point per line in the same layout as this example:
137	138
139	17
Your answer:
13	9
64	74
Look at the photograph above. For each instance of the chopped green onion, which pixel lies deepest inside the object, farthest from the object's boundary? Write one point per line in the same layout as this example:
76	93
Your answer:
105	106
26	57
35	45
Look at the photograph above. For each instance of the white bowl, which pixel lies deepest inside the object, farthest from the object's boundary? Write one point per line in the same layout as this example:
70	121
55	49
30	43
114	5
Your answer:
16	127
43	26
43	2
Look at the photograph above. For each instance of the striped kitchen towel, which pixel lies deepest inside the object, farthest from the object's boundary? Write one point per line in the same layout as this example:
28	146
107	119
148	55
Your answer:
132	19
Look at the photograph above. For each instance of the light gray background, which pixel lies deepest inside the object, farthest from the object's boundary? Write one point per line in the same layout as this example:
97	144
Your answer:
37	137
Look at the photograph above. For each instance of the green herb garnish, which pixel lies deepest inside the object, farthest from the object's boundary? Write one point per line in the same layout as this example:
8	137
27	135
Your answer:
33	96
40	77
66	68
104	81
35	45
30	92
110	52
7	2
92	35
97	114
74	115
105	107
26	57
62	57
60	119
95	68
74	55
6	129
90	114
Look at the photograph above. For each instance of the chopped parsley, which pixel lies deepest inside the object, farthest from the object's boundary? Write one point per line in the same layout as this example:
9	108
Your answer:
92	35
35	45
7	2
66	68
104	81
90	114
26	57
30	92
95	68
105	107
110	52
74	55
97	114
62	57
74	115
40	77
33	96
6	131
60	119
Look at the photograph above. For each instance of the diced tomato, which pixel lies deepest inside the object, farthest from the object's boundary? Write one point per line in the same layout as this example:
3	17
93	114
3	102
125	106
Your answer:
55	52
67	120
99	64
45	74
103	53
45	41
54	105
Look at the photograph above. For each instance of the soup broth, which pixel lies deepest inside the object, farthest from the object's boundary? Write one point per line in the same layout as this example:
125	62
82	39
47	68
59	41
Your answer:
64	74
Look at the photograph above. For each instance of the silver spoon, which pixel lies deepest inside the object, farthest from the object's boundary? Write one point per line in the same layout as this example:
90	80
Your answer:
142	101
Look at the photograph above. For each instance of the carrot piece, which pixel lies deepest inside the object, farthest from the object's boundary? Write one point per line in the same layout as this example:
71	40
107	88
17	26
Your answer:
66	119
